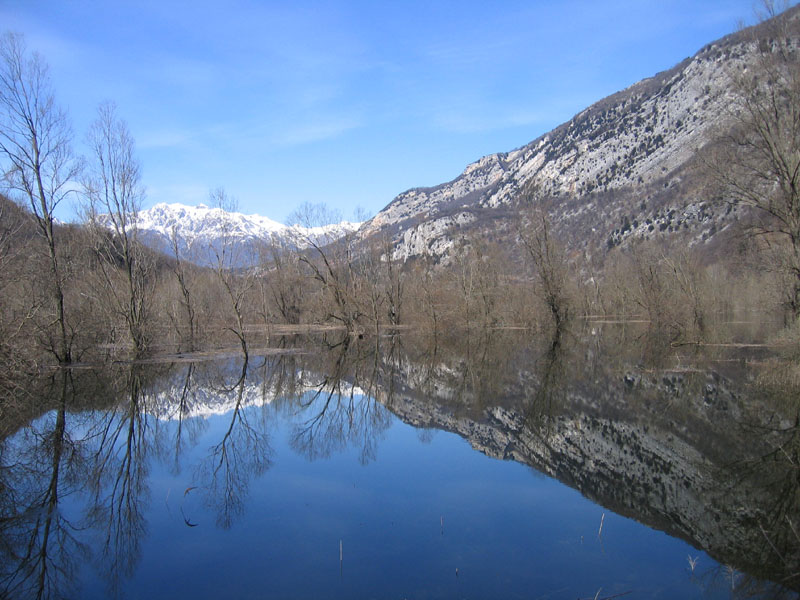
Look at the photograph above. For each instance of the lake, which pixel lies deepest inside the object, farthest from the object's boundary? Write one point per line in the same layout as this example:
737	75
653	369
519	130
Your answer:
599	464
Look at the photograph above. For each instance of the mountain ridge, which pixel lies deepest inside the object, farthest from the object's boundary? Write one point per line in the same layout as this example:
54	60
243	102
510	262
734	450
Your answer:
200	231
623	168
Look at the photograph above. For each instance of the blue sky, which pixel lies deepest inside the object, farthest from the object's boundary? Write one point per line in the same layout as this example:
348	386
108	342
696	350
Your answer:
346	103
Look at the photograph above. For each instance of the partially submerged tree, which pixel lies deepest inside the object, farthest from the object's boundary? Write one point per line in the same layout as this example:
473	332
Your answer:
114	195
281	282
549	262
187	300
236	281
35	143
331	263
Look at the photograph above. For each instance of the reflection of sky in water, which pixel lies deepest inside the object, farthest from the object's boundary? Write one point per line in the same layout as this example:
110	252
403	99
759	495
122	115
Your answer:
419	508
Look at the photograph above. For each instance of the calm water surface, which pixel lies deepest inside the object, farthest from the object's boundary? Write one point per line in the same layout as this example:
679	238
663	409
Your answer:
502	470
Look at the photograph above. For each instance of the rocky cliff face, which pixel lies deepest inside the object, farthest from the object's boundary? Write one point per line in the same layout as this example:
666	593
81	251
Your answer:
621	169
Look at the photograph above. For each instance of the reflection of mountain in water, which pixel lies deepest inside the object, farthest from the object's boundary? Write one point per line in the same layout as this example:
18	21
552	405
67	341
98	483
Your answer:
687	450
682	450
698	452
203	394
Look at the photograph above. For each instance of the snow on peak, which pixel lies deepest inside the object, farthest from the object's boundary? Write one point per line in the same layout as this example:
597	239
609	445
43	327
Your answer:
200	220
203	228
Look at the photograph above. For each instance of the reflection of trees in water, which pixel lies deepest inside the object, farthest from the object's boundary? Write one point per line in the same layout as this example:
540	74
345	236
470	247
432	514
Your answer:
242	452
340	412
96	459
77	479
482	366
39	543
187	430
465	370
774	416
338	419
104	472
628	411
281	374
336	413
340	398
781	524
550	373
122	439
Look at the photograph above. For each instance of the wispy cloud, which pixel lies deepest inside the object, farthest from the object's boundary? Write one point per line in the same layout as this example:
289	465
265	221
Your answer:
317	130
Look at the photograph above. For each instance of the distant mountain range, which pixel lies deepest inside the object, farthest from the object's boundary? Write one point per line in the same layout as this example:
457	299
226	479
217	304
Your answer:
623	169
201	231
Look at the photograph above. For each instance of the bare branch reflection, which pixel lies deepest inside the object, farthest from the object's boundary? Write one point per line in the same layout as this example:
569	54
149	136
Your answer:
188	429
685	446
41	546
242	452
338	413
118	478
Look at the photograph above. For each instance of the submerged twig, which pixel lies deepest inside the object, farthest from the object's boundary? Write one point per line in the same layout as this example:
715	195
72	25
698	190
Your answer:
600	531
186	520
692	562
620	595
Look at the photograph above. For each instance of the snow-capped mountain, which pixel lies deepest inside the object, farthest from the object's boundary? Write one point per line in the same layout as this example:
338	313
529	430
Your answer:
201	231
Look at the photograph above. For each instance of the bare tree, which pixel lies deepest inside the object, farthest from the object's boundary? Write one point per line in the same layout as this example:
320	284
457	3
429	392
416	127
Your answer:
652	288
331	262
228	261
395	282
281	282
428	298
114	195
35	140
187	297
549	263
755	160
315	216
19	305
332	272
476	273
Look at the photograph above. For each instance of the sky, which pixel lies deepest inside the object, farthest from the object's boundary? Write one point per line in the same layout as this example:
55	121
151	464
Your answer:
346	103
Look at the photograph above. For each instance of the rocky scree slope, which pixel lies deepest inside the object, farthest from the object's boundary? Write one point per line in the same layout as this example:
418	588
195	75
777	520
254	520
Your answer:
621	169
